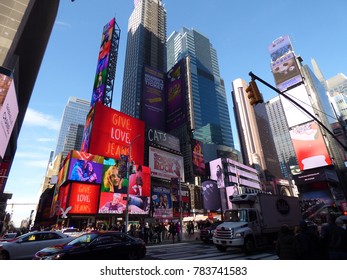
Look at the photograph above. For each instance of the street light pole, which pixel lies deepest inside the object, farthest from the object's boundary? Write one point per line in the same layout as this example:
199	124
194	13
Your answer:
128	198
180	205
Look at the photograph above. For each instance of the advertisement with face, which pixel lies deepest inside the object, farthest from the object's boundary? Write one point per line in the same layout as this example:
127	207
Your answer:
85	171
114	178
217	172
161	197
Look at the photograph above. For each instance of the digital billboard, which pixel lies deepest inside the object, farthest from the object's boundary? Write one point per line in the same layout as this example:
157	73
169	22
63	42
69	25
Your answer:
211	195
176	91
198	158
217	173
309	146
280	47
85	167
115	176
293	113
114	134
165	165
102	65
115	203
286	72
8	110
87	130
140	181
153	102
84	198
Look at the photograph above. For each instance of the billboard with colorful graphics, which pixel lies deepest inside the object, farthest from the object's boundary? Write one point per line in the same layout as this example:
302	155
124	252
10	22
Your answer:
198	158
217	172
153	102
165	165
99	86
161	197
114	134
309	146
84	198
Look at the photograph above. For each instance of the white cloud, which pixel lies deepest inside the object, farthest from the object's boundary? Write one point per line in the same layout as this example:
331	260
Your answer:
35	118
62	23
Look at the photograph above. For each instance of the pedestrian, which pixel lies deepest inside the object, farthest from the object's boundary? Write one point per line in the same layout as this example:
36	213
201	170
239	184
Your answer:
287	247
172	231
334	238
308	242
178	230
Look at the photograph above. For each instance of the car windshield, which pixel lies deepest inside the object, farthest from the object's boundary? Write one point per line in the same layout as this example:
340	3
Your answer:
83	240
236	215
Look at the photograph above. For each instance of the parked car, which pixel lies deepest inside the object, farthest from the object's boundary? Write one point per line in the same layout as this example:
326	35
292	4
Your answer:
96	245
26	245
72	232
207	232
8	236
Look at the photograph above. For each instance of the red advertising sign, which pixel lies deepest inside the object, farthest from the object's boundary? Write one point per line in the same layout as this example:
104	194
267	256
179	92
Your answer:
114	134
84	198
309	146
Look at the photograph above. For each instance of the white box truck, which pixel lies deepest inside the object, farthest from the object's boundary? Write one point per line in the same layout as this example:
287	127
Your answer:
255	220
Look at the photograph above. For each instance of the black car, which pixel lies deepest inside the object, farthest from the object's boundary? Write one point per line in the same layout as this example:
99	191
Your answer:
96	245
207	232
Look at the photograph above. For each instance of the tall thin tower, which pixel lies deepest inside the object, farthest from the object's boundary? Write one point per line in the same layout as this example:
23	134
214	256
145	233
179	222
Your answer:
146	47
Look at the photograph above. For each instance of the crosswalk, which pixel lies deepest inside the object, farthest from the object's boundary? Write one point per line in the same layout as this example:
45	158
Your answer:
201	251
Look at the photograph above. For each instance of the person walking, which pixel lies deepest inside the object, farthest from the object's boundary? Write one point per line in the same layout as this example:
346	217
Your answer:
287	247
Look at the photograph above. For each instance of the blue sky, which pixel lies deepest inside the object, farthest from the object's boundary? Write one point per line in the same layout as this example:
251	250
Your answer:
240	31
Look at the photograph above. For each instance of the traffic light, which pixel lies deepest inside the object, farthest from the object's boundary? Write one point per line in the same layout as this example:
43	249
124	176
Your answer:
254	95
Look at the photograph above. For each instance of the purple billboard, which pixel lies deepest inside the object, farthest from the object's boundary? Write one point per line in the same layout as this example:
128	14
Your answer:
153	112
176	92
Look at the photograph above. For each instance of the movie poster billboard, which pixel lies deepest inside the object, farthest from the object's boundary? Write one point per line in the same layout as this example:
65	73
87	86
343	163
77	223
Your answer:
102	65
161	198
115	175
176	90
198	158
84	198
85	167
217	172
8	110
153	102
114	134
165	165
115	203
309	146
211	196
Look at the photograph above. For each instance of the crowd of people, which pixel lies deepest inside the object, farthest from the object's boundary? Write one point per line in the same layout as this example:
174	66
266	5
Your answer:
327	241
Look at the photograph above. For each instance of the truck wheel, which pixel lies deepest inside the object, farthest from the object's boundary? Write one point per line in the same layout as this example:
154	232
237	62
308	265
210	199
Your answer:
249	245
221	248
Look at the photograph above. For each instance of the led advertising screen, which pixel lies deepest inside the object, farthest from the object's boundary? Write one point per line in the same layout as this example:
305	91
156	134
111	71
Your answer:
165	165
280	47
176	195
211	195
115	203
140	181
114	134
115	177
85	167
153	112
102	65
286	72
176	91
217	173
161	197
8	111
293	113
87	131
198	158
309	146
84	198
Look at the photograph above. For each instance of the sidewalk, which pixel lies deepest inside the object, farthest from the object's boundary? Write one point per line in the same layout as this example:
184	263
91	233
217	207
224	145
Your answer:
185	238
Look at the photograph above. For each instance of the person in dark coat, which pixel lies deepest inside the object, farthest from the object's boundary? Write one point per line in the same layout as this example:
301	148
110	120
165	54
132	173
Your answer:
287	247
309	243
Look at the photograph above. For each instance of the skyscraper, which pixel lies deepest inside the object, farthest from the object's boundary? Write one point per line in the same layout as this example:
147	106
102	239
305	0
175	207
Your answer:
145	48
211	121
72	125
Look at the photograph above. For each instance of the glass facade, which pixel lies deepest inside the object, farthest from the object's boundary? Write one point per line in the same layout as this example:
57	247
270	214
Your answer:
210	107
72	125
